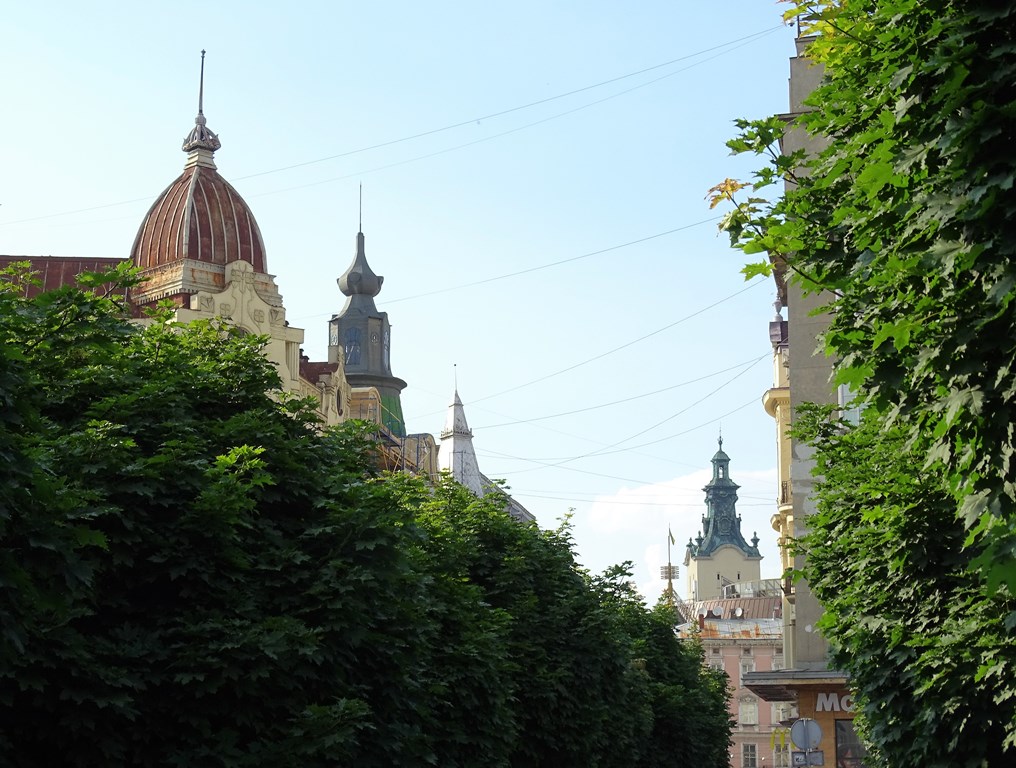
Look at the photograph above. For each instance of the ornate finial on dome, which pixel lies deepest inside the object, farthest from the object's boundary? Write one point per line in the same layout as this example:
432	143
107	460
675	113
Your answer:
200	136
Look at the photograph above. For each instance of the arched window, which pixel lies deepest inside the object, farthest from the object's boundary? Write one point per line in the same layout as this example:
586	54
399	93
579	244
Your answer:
352	341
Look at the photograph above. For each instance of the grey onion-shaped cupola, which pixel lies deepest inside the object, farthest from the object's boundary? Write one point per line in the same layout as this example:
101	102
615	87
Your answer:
360	336
359	280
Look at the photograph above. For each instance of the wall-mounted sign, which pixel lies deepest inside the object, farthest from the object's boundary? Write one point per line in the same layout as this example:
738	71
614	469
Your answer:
834	702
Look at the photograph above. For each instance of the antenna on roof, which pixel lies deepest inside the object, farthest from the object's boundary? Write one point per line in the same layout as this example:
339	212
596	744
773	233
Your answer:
455	375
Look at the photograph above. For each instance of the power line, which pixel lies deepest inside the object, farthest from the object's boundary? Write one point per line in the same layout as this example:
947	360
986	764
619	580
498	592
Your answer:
537	268
563	465
606	451
613	402
731	43
472	121
554	263
594	496
522	494
624	346
482	140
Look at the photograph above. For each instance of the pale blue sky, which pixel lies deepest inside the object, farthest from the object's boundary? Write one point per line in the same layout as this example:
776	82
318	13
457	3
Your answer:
99	96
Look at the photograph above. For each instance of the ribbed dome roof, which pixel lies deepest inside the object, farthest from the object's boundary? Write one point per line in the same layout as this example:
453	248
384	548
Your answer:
201	217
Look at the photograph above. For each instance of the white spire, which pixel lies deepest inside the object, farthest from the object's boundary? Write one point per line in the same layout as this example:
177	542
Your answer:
456	454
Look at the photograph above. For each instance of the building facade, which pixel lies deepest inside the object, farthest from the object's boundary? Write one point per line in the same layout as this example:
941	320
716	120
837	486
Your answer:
802	374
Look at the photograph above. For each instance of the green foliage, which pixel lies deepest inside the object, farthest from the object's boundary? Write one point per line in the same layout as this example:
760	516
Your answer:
192	573
687	701
923	637
902	215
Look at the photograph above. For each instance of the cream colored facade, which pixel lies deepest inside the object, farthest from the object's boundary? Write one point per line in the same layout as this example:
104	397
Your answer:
707	575
242	304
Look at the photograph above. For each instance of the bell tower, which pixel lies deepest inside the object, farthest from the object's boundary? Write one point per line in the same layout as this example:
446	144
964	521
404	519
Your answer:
719	555
361	336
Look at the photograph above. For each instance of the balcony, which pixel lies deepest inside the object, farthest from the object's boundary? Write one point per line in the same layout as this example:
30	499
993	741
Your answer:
786	497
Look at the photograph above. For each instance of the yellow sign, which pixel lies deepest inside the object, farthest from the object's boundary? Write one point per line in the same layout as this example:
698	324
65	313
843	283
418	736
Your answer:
779	736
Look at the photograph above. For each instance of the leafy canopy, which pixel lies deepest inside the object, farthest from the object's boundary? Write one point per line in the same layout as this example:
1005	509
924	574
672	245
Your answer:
902	215
193	573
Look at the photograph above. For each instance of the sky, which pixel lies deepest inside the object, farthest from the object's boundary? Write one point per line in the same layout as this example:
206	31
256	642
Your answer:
533	178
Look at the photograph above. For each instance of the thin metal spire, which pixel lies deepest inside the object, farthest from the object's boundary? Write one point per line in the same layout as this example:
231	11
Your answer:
201	86
200	136
361	206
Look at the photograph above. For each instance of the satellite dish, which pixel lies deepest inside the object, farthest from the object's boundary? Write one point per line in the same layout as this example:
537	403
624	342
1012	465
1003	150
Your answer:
739	612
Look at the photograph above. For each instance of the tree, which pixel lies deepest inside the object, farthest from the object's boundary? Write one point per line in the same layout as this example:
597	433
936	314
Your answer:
923	637
900	220
686	700
192	572
192	575
576	695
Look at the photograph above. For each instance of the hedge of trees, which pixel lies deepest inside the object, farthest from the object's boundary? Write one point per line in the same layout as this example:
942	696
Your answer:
192	573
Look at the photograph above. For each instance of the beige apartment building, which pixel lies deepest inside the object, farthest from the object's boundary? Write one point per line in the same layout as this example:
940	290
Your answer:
802	374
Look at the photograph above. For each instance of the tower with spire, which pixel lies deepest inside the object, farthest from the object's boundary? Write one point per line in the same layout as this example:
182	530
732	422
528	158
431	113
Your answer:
719	555
457	457
360	337
456	454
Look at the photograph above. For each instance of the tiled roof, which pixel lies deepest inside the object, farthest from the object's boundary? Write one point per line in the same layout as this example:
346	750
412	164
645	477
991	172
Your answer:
312	371
749	607
735	629
57	271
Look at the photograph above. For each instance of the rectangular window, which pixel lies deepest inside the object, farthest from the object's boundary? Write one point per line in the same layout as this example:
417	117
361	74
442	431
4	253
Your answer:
747	665
749	756
845	399
747	712
850	751
781	756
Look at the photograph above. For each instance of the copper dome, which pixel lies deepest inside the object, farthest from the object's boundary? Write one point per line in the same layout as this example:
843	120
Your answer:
200	217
